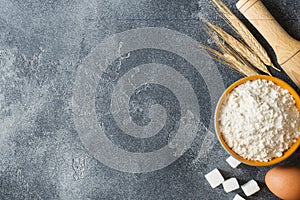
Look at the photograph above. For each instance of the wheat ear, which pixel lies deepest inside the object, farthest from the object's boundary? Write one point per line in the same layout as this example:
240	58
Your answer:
240	48
231	61
229	57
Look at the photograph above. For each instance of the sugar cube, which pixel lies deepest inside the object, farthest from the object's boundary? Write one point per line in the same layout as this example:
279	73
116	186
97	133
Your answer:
230	185
250	187
233	162
238	197
214	178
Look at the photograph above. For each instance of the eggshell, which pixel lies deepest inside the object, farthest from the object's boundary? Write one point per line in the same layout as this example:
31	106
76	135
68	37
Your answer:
284	182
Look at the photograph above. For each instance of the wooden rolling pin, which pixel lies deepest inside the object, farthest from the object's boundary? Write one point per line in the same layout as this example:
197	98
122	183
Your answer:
286	48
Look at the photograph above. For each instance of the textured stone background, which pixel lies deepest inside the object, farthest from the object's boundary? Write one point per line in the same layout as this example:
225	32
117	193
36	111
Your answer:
42	43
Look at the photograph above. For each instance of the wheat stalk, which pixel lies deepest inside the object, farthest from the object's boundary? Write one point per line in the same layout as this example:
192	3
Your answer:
236	60
240	65
240	48
244	33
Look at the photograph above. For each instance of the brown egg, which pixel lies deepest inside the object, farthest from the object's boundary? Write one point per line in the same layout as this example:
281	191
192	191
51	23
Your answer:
284	182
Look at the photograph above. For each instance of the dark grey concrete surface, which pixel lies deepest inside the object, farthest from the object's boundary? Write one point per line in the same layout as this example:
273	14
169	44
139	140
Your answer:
43	44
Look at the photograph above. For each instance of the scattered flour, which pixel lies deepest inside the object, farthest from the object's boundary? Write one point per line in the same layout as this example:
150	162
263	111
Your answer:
259	120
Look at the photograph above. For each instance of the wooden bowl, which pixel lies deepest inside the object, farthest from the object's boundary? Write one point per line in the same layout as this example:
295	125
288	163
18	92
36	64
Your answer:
223	98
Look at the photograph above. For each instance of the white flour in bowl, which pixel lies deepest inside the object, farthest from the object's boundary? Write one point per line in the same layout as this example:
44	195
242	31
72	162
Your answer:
259	120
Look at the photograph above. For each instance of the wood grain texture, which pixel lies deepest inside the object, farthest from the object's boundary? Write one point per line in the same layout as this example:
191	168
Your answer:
292	68
286	48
